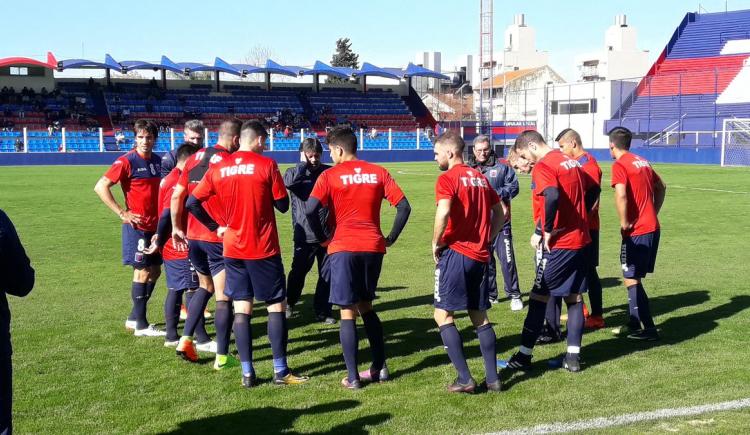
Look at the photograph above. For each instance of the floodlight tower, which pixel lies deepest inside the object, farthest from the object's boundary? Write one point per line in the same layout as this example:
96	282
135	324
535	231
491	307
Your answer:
486	66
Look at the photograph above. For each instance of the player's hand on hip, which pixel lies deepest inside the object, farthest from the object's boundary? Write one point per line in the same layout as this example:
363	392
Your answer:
130	218
437	249
220	231
179	240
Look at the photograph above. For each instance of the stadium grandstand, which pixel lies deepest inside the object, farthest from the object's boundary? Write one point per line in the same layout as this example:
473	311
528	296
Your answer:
700	79
78	115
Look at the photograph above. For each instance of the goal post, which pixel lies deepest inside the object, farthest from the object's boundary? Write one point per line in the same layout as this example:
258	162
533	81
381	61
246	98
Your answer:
735	142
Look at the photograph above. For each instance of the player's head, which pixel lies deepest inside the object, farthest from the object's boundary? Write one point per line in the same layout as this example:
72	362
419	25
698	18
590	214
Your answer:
570	142
449	147
482	148
184	151
253	136
229	134
342	143
517	162
531	146
619	141
193	132
312	149
146	132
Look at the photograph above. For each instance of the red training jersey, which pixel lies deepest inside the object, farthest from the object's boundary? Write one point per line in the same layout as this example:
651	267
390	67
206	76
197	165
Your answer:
195	229
593	174
246	184
639	179
166	188
470	219
139	178
353	191
571	228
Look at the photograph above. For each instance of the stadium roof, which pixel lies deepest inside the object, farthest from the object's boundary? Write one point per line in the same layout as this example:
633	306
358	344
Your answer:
25	61
238	69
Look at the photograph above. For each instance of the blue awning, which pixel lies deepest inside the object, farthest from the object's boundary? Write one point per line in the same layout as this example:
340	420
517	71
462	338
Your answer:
109	63
246	69
416	70
325	69
274	68
222	66
369	69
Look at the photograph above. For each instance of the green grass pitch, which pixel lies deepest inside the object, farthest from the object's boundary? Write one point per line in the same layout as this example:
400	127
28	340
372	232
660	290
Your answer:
78	371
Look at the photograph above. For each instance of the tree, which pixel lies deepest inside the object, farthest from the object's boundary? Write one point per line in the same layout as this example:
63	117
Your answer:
257	56
345	57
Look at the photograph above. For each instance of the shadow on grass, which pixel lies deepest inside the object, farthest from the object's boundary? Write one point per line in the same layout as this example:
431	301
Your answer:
673	331
277	420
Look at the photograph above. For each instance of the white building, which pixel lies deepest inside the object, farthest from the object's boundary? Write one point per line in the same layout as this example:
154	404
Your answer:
519	47
620	58
430	60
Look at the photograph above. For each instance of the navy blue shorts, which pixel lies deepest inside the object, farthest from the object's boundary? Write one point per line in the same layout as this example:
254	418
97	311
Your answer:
638	254
133	243
263	280
180	275
461	283
353	276
592	249
561	272
207	257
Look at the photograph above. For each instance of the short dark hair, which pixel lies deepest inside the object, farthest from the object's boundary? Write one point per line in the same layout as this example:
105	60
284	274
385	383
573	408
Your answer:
620	137
526	137
185	150
253	127
452	139
311	145
570	134
230	127
343	137
148	125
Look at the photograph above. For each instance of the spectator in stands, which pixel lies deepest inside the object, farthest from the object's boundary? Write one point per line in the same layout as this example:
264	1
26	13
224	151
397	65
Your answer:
19	145
44	91
373	133
288	132
50	130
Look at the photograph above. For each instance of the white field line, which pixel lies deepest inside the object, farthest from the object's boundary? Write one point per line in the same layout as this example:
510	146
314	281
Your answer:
620	420
416	173
705	189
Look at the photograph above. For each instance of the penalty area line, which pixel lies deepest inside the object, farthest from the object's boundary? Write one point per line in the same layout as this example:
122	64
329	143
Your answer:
621	420
706	189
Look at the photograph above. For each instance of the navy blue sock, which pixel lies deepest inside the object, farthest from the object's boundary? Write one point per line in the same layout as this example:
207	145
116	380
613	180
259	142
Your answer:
552	314
195	308
532	325
575	325
172	313
243	335
349	344
374	330
487	339
635	318
277	335
200	334
139	296
595	292
150	286
455	348
223	323
644	308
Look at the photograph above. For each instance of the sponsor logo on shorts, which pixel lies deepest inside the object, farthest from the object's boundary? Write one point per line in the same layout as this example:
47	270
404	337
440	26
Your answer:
437	284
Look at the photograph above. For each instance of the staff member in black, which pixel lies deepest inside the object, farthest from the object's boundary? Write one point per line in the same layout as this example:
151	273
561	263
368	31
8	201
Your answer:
300	180
18	280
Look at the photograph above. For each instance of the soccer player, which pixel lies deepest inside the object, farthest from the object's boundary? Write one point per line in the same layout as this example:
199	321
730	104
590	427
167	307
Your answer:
300	180
192	134
562	232
205	251
249	186
503	179
181	276
468	216
18	280
571	145
639	195
137	172
353	191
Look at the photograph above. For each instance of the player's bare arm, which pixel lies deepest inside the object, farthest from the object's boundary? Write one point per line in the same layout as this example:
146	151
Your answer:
498	219
441	222
660	192
103	189
621	204
177	209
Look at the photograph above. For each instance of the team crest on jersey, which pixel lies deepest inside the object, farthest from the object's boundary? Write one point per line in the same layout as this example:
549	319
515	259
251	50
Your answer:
237	161
493	173
358	170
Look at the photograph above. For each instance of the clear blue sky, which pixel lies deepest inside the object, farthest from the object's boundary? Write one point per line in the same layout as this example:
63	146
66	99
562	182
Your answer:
383	32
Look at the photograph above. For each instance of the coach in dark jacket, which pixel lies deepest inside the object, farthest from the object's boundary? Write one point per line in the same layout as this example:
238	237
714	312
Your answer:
503	179
300	180
18	280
